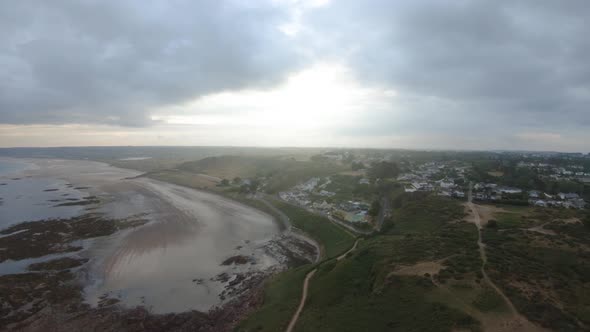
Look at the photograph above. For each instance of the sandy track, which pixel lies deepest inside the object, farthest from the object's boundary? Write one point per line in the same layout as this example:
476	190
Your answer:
517	322
306	286
302	302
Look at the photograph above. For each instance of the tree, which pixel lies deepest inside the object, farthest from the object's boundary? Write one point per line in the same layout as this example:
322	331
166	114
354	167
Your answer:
318	158
237	180
355	166
254	184
375	207
492	223
384	169
224	182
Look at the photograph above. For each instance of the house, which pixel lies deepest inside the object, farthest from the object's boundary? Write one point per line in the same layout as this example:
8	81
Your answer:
323	206
447	184
509	190
364	181
540	203
410	189
534	194
459	194
326	193
564	196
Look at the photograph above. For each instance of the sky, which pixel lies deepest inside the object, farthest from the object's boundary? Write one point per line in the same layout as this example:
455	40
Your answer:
414	74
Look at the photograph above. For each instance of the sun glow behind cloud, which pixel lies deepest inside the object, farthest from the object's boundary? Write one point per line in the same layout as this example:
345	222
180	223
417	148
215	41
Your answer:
321	97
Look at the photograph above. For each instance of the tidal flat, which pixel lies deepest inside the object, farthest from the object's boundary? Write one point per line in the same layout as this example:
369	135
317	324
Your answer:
103	237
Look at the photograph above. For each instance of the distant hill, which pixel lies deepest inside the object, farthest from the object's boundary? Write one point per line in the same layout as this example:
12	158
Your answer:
280	172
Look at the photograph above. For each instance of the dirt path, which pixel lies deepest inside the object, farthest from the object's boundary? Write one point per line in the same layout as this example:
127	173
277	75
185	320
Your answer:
518	322
302	302
341	257
306	286
484	258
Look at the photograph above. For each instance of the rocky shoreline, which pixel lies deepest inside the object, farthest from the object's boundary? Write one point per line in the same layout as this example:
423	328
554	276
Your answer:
49	295
122	254
52	301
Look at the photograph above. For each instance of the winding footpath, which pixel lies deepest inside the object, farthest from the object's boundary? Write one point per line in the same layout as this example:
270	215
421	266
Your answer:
484	259
519	322
308	277
482	252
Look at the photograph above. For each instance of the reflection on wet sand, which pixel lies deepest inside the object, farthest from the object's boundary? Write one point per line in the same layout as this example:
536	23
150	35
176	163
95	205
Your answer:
190	235
172	263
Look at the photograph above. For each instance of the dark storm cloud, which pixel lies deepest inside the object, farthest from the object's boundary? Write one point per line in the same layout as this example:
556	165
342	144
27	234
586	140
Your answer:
521	61
112	61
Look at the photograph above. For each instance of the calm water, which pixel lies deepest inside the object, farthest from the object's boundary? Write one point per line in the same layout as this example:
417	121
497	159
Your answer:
12	167
26	197
171	263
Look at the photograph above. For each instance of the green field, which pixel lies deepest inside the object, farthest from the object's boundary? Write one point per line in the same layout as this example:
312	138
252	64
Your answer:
283	292
546	275
362	292
281	298
279	172
333	239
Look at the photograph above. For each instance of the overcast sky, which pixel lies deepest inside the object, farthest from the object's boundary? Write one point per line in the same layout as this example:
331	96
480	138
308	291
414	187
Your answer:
400	74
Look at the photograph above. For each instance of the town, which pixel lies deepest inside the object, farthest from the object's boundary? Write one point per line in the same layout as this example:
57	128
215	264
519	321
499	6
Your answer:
349	196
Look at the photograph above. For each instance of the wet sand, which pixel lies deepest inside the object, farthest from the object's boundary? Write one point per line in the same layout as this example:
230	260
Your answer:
171	264
174	262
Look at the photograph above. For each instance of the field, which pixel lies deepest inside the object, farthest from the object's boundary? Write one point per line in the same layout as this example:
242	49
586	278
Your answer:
187	179
333	239
283	292
280	173
541	260
424	264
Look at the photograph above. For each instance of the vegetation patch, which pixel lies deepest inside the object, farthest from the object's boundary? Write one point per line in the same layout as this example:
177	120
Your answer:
333	239
547	277
58	264
40	238
489	300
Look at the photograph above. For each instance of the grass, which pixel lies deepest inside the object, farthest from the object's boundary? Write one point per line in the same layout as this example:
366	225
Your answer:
510	220
283	292
333	239
280	173
489	300
347	187
547	277
360	293
344	297
183	178
281	298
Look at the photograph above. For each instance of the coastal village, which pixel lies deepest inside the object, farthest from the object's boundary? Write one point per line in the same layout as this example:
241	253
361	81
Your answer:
314	196
444	178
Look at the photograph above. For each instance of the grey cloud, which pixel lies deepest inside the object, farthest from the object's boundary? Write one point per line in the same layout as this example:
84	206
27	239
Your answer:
525	61
111	62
